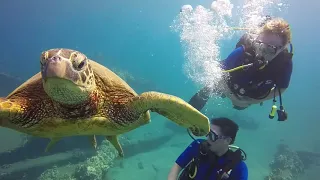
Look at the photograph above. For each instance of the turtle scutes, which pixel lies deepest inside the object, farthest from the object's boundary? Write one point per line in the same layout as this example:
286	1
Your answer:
73	96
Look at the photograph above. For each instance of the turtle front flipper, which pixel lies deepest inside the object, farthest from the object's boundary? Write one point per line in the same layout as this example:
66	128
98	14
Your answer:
10	112
175	109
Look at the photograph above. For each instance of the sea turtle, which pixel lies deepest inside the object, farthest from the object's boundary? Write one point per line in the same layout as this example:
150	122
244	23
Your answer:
73	95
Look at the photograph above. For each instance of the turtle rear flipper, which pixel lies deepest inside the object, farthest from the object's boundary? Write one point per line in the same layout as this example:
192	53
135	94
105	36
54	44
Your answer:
53	141
173	108
115	142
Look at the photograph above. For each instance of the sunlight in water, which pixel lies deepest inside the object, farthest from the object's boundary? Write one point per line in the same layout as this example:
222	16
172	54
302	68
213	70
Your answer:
201	30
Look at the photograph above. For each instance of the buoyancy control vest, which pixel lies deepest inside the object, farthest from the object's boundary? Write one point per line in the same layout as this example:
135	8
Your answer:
254	82
231	159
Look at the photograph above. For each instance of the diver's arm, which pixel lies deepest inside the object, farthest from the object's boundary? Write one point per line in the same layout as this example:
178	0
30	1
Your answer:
242	41
200	99
245	41
174	172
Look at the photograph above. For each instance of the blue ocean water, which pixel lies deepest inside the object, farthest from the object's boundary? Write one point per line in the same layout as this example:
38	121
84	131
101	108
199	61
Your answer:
135	37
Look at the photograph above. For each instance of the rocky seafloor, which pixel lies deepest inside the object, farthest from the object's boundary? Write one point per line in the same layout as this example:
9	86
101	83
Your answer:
289	164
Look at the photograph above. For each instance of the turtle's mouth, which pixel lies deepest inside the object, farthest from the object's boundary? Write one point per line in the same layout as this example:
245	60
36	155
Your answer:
61	82
59	69
65	91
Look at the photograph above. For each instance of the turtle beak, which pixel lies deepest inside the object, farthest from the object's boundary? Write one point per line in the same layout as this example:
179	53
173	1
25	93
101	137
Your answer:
54	67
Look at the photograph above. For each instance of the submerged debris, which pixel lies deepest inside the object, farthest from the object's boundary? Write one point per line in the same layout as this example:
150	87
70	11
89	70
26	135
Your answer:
94	168
286	165
54	173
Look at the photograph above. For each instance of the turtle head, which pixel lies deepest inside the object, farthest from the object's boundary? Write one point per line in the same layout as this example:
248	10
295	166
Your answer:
67	76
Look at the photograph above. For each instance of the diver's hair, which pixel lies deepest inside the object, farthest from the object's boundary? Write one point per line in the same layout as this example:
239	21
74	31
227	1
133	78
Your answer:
228	127
278	26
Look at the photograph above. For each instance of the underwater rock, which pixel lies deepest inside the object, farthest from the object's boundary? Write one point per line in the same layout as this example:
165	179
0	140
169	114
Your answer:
54	173
94	168
286	164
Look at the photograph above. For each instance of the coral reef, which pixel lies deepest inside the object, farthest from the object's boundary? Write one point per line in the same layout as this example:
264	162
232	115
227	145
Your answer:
94	168
54	173
286	164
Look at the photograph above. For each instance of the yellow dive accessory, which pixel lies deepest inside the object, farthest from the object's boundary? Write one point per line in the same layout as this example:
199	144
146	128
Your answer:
239	67
273	111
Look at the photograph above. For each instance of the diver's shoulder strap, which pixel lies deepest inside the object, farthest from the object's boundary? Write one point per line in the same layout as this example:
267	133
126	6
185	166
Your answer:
233	158
289	54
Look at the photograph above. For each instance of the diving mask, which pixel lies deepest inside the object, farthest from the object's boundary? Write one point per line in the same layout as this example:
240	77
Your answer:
266	52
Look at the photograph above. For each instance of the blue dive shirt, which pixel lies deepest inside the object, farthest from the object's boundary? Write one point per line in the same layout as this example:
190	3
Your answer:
259	82
239	172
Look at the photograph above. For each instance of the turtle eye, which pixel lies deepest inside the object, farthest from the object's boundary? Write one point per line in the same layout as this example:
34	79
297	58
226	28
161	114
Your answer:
78	61
44	57
80	66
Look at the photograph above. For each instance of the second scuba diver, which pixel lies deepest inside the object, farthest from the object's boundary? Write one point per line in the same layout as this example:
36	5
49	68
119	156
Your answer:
259	69
213	158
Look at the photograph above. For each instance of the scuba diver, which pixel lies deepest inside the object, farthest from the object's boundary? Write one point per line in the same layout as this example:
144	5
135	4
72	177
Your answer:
258	69
213	158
